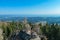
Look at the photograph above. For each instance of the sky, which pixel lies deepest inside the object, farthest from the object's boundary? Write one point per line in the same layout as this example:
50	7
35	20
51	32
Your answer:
30	7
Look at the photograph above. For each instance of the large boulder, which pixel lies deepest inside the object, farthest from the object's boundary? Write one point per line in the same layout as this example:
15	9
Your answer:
34	36
24	36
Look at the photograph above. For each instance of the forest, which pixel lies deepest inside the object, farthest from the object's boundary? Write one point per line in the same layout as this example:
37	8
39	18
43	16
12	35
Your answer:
51	31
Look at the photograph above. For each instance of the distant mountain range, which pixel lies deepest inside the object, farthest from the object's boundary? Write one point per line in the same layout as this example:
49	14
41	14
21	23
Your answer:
30	19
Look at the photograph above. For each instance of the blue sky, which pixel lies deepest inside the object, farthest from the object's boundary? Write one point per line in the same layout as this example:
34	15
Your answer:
30	7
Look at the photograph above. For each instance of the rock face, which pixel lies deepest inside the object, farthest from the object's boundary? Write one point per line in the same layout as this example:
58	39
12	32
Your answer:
1	36
24	35
28	30
27	33
27	27
34	36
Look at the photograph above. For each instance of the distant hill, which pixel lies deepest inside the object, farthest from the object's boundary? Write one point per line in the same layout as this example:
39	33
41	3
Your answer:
30	19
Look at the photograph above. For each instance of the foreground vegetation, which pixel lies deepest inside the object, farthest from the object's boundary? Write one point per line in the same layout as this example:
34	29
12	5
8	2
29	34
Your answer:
51	31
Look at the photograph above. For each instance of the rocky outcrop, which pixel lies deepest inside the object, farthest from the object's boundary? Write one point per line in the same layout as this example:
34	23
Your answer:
27	27
35	36
28	33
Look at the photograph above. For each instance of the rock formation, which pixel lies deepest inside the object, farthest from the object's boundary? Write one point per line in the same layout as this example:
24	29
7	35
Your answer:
27	27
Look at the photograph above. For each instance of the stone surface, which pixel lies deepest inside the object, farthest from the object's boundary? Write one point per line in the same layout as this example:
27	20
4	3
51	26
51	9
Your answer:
36	36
